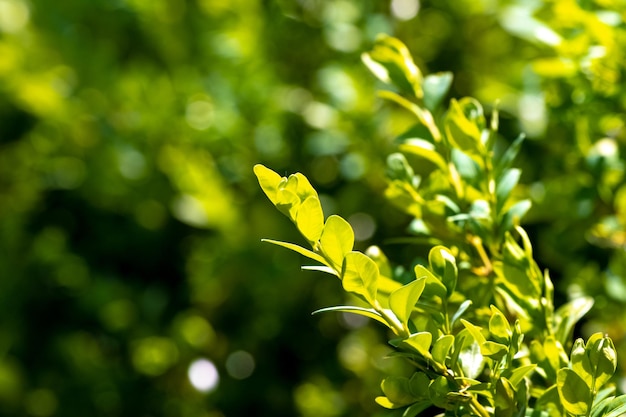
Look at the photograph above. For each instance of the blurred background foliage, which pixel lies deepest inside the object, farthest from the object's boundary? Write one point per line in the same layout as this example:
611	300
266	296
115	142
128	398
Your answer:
133	280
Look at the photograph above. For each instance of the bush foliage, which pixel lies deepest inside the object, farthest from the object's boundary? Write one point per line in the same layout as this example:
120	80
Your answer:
133	281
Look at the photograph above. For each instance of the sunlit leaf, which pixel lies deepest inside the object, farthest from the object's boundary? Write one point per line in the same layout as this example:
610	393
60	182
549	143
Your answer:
337	240
441	348
310	219
499	326
573	391
360	275
420	342
435	88
403	300
433	287
367	312
268	180
566	317
443	264
506	183
462	131
424	149
302	251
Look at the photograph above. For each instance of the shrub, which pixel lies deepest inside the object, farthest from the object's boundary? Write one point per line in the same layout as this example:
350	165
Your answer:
476	325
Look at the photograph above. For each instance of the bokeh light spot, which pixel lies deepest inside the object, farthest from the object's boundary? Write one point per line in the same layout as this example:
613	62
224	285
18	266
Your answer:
363	224
41	403
199	114
405	9
240	364
14	15
203	375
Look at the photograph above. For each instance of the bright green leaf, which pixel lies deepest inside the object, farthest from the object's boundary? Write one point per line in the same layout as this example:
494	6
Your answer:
573	391
396	388
424	149
337	240
566	317
443	264
516	375
461	131
403	300
433	286
302	251
366	312
435	87
310	219
499	326
360	276
441	348
268	180
602	358
420	342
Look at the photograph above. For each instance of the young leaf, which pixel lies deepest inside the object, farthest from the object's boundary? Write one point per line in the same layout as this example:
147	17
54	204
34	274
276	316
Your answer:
573	392
475	331
462	309
443	264
396	389
568	315
435	87
403	300
299	249
602	358
580	362
505	185
617	407
499	326
337	240
420	342
433	286
360	275
517	375
424	149
366	312
461	131
391	61
441	348
268	180
509	155
310	219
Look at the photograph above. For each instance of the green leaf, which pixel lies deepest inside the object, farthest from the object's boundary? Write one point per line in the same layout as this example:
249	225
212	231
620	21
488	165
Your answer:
617	407
435	87
602	358
550	402
418	385
438	391
462	131
310	219
403	300
396	389
424	149
505	185
517	375
472	361
514	214
268	180
507	158
420	342
287	202
391	61
337	240
568	315
462	309
573	392
433	286
359	275
302	251
304	189
415	409
443	264
441	348
493	350
366	312
398	168
580	362
475	331
499	326
504	400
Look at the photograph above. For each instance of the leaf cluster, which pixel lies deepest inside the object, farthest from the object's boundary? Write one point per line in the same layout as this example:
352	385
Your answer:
476	324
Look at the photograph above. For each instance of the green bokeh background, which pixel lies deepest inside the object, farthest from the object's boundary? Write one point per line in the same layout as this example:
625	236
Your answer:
130	221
